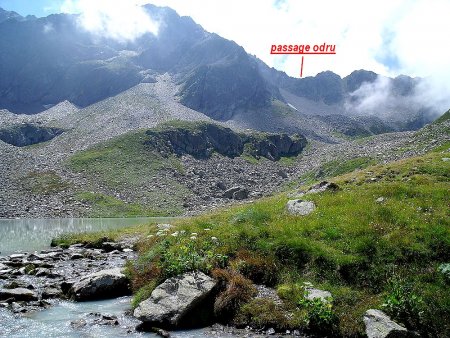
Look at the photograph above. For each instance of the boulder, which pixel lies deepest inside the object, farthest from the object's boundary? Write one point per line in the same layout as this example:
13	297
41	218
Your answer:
18	294
111	246
182	301
101	285
379	325
240	194
230	192
299	207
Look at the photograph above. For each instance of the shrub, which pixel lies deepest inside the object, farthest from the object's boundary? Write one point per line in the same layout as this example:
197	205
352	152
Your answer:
237	291
261	313
189	256
403	303
261	270
320	316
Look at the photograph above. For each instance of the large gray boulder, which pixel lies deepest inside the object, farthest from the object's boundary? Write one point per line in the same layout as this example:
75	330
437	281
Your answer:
18	294
182	301
101	285
299	207
379	325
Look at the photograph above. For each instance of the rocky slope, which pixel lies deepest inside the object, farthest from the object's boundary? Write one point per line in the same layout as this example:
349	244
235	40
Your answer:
42	181
49	60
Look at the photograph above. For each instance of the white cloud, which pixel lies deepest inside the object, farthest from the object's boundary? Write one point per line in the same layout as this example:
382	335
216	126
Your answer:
370	96
389	37
120	19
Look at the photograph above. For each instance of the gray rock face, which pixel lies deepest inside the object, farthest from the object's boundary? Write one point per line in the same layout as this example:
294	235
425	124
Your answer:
274	146
28	134
182	301
299	207
18	294
379	325
201	140
101	285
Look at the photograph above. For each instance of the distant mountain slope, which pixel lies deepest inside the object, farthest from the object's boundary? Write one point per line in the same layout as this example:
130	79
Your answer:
44	61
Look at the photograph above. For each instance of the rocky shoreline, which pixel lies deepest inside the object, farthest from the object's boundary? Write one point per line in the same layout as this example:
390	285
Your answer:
35	281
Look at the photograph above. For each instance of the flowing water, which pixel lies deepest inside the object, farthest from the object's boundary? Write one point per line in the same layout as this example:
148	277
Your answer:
28	235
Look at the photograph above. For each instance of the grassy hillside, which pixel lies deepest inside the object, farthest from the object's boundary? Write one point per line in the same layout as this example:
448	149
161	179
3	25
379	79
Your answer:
391	253
125	166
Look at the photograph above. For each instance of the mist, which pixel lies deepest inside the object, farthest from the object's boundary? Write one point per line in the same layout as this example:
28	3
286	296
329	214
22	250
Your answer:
120	20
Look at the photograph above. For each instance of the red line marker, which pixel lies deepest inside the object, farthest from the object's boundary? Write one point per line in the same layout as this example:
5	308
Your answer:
301	67
296	53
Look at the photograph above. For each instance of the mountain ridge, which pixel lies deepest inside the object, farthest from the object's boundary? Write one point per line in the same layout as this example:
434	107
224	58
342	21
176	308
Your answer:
215	76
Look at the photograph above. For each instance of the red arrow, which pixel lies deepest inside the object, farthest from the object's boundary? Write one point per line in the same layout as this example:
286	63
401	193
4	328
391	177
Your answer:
301	67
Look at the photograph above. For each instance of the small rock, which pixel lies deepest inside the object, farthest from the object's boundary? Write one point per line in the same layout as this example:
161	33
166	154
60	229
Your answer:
111	246
51	292
380	200
161	333
270	331
78	324
18	294
229	193
299	207
164	226
282	174
76	256
312	293
41	272
379	325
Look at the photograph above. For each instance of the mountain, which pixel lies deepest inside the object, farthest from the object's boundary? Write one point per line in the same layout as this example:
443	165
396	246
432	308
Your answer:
44	61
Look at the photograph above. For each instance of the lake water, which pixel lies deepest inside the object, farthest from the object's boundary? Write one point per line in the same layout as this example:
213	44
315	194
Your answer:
36	234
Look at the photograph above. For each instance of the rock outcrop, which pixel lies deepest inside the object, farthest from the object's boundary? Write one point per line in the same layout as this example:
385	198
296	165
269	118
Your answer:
28	134
103	284
202	139
182	301
275	146
379	325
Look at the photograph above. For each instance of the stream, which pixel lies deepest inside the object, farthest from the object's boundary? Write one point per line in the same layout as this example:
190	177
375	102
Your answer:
29	235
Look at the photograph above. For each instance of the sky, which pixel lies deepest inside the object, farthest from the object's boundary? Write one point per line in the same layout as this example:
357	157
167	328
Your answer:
389	37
